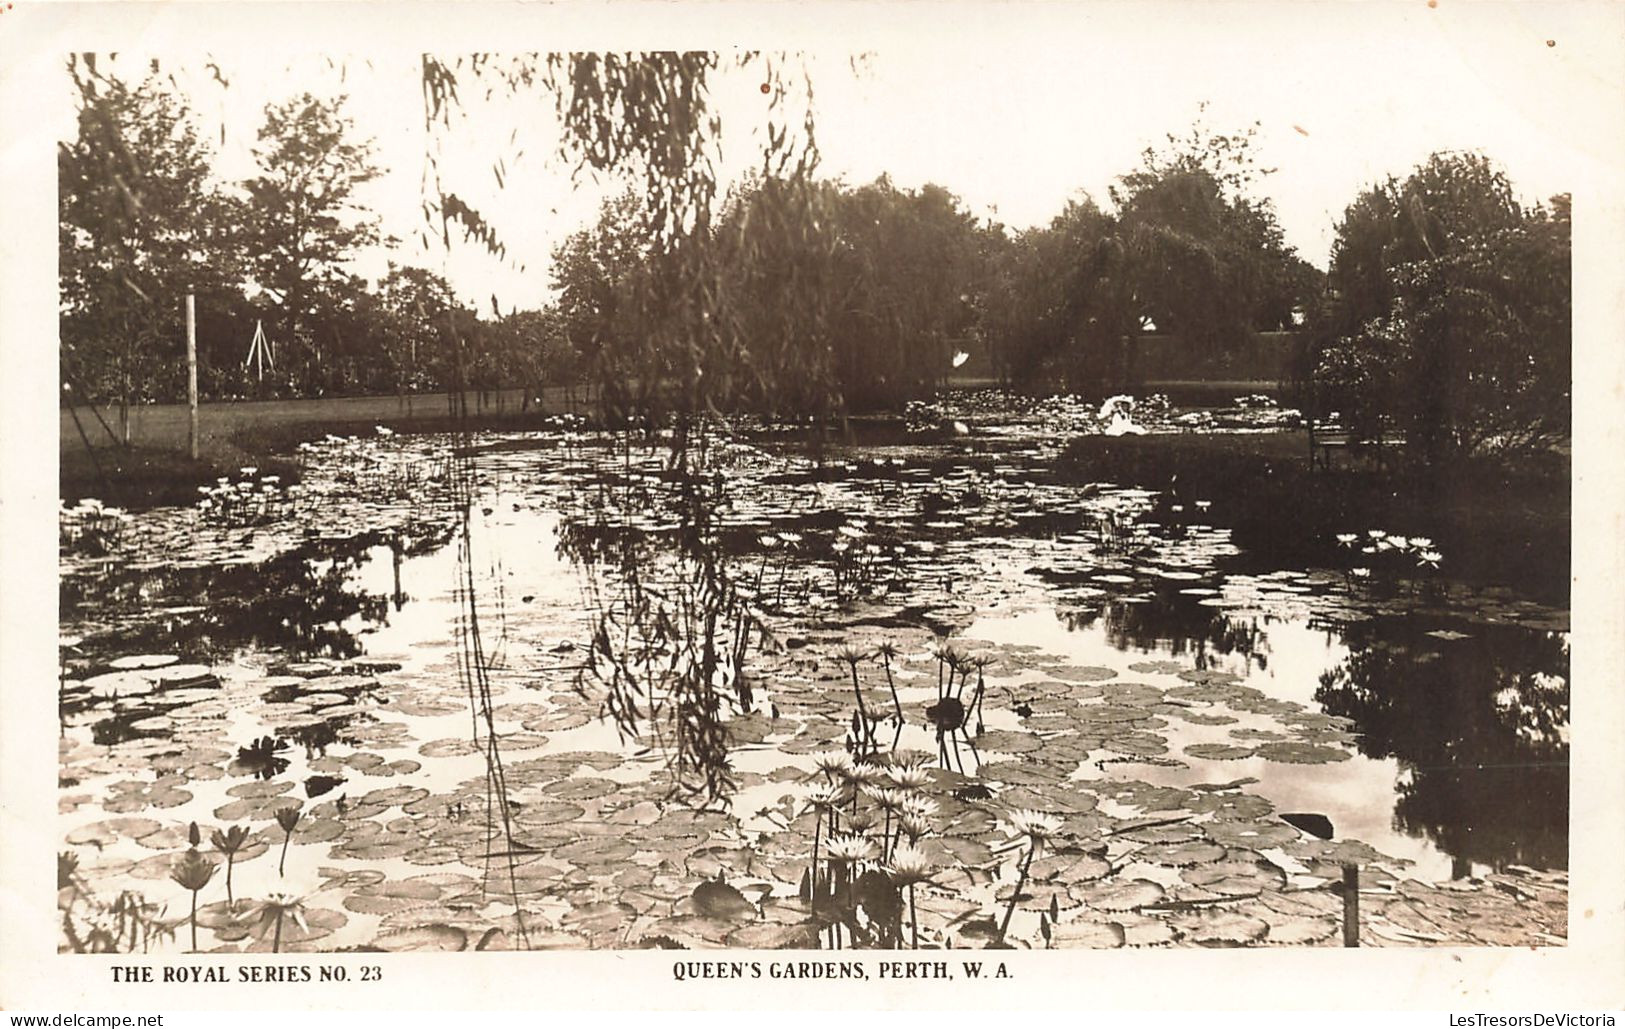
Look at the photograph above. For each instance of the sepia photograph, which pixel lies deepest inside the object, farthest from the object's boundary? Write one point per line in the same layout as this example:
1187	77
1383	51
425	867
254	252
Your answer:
1079	478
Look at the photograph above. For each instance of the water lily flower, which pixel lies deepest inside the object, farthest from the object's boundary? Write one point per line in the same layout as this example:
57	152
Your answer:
886	799
1376	534
833	762
1430	558
910	777
1421	542
909	865
848	848
1346	539
866	775
229	843
287	818
919	807
1360	573
192	872
274	909
1037	826
824	796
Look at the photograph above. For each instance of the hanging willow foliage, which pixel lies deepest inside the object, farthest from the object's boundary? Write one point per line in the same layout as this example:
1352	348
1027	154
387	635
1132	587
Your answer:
710	316
694	340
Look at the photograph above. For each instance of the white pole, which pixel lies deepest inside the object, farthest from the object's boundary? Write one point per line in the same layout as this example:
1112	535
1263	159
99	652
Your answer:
191	374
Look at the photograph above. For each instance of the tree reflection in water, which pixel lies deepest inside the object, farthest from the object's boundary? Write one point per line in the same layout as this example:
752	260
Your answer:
303	603
1178	626
1479	726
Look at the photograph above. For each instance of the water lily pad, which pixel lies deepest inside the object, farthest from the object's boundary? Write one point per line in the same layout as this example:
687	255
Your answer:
606	850
719	900
135	661
1218	751
1302	753
1289	931
774	936
581	789
107	832
1087	933
423	938
452	747
120	684
1180	855
1118	895
548	813
1220	928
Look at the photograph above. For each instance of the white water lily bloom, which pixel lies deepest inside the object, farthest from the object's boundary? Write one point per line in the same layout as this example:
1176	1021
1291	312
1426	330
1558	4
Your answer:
833	762
919	806
1035	825
824	795
1346	539
1421	542
1430	558
849	847
1361	573
911	777
866	775
886	799
914	825
909	865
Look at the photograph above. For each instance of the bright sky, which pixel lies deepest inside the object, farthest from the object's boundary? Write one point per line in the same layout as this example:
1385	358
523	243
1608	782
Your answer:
1014	108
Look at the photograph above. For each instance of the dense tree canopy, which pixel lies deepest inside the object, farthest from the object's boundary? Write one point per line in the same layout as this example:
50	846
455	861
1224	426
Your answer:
305	225
1445	312
1447	315
141	225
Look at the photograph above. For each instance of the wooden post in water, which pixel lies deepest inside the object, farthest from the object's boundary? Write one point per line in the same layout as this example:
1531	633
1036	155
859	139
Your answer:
1351	905
191	375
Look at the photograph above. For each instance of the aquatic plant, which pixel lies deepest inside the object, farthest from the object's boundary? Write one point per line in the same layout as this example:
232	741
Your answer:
853	657
120	926
274	909
288	819
825	801
91	527
884	653
1037	827
229	843
908	867
262	758
193	872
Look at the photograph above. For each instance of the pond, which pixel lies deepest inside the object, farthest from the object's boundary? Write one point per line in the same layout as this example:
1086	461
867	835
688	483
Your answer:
503	692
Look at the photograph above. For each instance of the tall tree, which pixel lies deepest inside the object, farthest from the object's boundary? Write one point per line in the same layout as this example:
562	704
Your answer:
1448	315
140	225
1208	254
307	222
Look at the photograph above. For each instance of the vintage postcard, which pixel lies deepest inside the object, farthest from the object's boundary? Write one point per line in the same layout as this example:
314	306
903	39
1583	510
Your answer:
835	504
